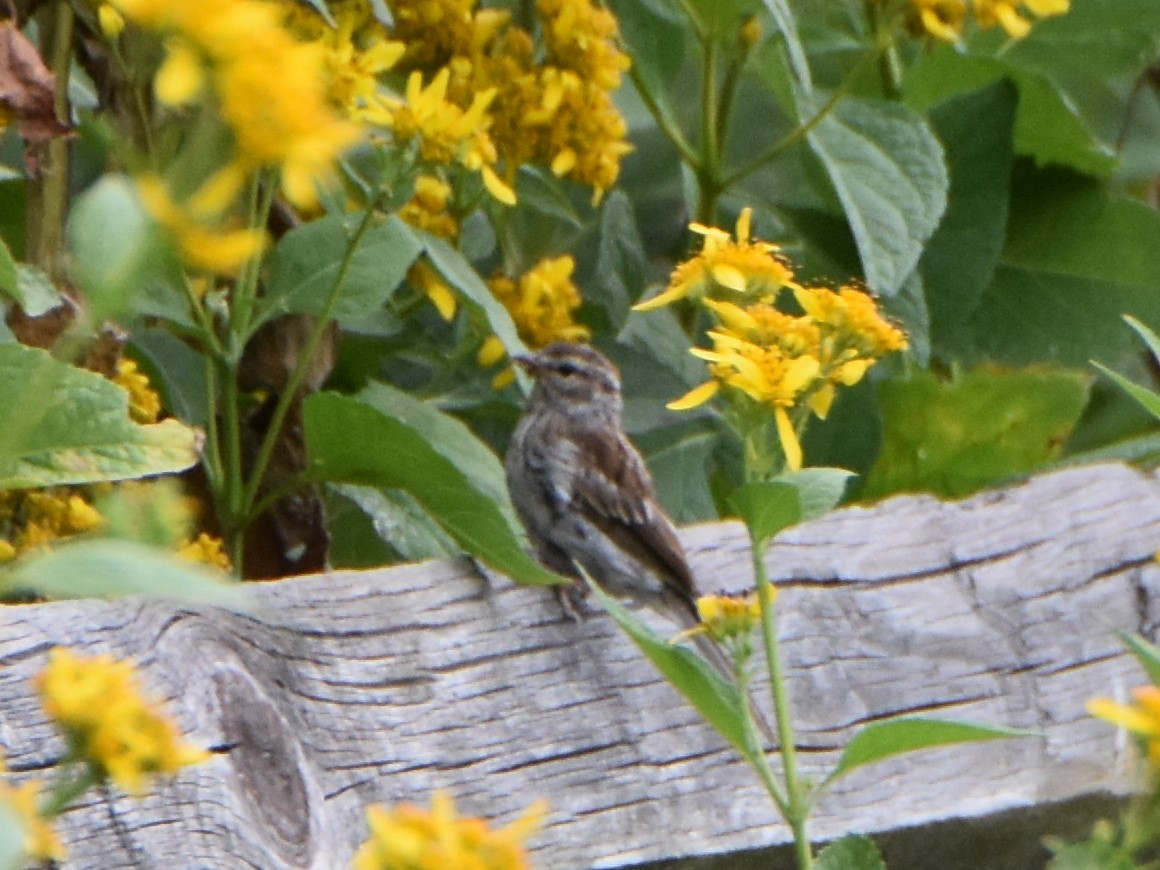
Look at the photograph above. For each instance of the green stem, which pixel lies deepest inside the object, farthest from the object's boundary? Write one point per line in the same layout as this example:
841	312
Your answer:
708	178
47	201
672	132
286	398
760	762
889	64
797	803
802	130
67	789
259	201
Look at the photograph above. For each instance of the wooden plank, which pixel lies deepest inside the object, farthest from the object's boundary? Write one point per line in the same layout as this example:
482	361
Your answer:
349	688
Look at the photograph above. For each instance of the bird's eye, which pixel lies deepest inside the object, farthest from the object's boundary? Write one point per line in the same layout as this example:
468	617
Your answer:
567	369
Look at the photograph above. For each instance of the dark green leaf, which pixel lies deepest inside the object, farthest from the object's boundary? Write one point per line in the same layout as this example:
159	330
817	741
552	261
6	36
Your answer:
852	852
678	461
767	508
8	283
177	371
304	266
114	569
786	24
887	169
909	733
714	697
1093	854
371	527
1148	399
1146	335
1146	654
622	268
656	42
958	263
537	189
60	424
352	442
819	489
956	437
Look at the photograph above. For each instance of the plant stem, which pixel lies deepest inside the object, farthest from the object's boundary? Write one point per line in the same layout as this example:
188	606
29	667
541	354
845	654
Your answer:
760	763
672	132
797	804
708	177
48	191
286	398
67	789
246	292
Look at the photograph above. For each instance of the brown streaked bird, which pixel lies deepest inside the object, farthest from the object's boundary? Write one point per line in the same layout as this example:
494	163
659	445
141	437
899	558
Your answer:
585	496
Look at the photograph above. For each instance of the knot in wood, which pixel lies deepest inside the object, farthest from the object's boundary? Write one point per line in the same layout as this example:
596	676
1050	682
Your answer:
267	760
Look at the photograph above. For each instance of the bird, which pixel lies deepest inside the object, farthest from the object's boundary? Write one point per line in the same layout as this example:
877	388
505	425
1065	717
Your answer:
585	496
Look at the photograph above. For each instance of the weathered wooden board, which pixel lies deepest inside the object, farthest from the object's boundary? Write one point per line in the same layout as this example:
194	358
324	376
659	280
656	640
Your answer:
355	687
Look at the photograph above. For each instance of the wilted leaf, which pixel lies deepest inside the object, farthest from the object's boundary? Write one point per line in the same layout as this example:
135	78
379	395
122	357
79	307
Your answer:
27	88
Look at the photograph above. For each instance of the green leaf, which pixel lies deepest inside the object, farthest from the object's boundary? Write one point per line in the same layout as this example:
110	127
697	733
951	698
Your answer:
539	190
118	251
450	439
766	508
714	697
12	835
1146	335
960	259
1093	854
656	42
35	291
1078	256
787	26
177	371
891	737
371	527
1146	654
887	169
852	852
351	442
956	437
678	460
1047	127
1148	399
114	569
622	268
60	424
819	489
8	281
305	264
460	275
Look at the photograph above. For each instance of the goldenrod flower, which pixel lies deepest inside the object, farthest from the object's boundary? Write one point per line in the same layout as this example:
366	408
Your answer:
408	837
945	19
110	21
51	514
748	269
41	842
206	549
199	244
1141	718
97	703
725	617
427	208
144	403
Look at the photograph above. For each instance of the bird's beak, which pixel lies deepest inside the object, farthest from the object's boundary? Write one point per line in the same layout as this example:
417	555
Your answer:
527	363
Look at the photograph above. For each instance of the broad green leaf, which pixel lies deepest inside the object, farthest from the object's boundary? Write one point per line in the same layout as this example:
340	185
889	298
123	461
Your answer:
887	169
956	437
819	489
460	275
1093	854
177	371
852	852
714	697
371	527
622	268
1078	256
884	739
114	569
1047	127
1146	654
767	508
678	460
960	259
35	291
787	26
655	38
451	439
118	252
539	190
305	264
60	424
1148	399
350	441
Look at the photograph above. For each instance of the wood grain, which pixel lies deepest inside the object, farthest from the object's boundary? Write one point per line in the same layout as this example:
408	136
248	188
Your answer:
353	687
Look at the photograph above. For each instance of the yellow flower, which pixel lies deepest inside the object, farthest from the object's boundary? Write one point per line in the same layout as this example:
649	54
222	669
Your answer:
724	617
411	838
41	842
207	550
97	703
423	276
942	19
749	269
1142	718
110	21
581	37
144	403
46	515
1005	13
427	208
200	246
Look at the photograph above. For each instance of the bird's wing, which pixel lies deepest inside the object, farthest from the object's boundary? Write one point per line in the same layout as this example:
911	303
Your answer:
617	494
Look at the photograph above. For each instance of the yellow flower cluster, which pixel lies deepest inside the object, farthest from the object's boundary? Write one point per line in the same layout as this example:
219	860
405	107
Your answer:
41	842
728	617
552	107
945	19
31	519
206	549
543	304
411	838
768	357
1141	718
269	88
144	403
97	703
